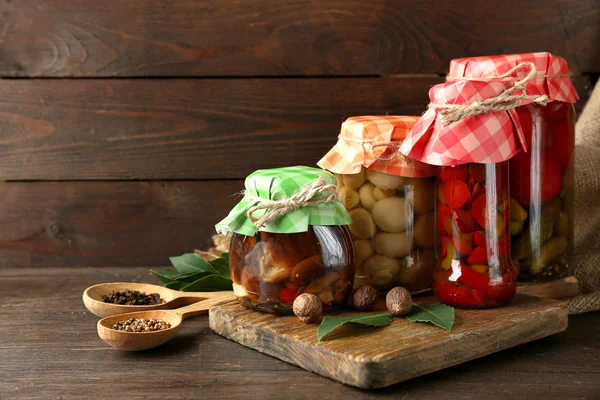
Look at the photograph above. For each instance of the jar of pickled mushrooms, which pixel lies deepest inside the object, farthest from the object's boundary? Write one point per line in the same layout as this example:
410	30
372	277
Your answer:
391	200
290	236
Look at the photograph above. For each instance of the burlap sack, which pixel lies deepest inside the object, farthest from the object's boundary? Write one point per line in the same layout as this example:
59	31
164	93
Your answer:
586	266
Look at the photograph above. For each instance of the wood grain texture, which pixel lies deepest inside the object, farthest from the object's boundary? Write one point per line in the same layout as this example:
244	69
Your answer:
186	129
183	129
49	348
299	37
374	358
559	289
108	223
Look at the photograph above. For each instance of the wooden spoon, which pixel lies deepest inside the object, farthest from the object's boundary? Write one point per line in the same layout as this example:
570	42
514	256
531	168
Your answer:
92	298
131	341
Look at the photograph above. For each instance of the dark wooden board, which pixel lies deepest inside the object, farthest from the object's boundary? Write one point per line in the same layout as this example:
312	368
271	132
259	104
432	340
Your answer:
375	358
108	223
186	129
183	129
298	37
49	349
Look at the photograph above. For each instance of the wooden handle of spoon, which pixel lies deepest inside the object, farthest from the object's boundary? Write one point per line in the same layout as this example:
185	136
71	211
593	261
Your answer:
202	306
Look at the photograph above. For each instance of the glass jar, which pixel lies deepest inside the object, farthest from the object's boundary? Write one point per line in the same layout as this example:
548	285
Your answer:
474	268
542	192
269	270
393	228
391	200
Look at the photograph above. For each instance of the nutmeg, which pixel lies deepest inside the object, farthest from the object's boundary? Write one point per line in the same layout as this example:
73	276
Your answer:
308	308
398	301
364	298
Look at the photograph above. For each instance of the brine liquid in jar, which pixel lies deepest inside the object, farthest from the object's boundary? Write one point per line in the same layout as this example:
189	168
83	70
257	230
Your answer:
269	270
474	268
542	192
393	228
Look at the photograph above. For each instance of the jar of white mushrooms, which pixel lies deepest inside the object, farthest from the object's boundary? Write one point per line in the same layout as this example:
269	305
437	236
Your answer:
391	201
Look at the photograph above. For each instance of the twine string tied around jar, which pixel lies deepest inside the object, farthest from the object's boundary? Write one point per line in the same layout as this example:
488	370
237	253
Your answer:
504	101
394	146
278	208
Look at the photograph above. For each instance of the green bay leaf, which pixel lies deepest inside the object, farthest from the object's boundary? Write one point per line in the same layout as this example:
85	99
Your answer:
330	324
221	266
209	283
165	275
190	263
438	314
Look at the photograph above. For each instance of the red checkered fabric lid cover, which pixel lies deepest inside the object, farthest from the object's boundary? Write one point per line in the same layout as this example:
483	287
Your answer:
372	142
552	78
486	138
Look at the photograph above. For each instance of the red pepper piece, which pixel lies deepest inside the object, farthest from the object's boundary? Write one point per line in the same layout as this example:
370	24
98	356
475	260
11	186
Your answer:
288	295
563	140
460	295
479	238
502	293
478	172
549	173
470	278
478	210
444	249
444	212
462	242
456	193
478	256
465	221
459	172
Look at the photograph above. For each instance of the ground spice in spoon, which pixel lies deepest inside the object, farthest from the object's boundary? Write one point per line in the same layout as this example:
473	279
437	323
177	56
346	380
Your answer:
139	325
132	298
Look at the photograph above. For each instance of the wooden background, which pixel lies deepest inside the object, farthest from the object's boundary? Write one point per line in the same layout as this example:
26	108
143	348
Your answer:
127	125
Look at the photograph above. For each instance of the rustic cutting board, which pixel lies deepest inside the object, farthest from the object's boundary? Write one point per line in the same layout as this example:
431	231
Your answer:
376	357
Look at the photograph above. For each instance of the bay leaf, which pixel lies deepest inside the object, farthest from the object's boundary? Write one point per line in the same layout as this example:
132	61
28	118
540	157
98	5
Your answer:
189	263
209	283
329	324
437	314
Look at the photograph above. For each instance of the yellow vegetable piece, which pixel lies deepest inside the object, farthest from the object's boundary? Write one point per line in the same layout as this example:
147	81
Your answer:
452	255
517	213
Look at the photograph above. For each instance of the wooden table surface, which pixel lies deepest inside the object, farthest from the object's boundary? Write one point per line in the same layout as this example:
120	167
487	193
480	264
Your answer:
49	349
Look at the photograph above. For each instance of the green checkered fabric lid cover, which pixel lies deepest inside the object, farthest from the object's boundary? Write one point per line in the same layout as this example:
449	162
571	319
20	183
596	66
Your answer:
277	184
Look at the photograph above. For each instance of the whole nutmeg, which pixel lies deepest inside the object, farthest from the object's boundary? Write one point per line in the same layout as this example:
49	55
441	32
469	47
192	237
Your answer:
364	298
308	308
398	301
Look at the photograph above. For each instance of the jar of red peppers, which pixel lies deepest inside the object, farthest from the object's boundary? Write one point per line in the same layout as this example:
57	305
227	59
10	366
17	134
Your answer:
290	237
391	200
541	179
471	131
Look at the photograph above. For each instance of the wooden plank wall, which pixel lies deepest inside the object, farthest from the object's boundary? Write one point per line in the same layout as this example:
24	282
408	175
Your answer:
126	126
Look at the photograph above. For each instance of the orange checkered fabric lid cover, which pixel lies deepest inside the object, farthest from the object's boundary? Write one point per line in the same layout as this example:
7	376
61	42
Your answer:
373	142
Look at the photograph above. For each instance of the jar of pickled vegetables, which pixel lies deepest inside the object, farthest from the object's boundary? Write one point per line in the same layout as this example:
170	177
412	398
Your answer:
472	145
290	237
541	179
391	200
474	269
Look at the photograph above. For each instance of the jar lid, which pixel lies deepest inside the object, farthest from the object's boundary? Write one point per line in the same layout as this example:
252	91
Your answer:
286	200
551	77
468	121
372	142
